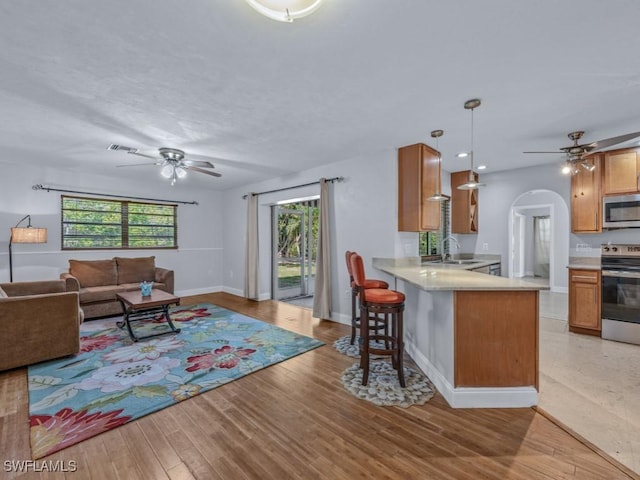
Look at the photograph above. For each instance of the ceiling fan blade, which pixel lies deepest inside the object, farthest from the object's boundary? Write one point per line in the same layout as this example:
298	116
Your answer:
196	163
137	164
143	155
600	144
196	169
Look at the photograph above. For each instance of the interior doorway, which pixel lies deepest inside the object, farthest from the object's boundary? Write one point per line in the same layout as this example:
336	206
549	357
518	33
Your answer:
539	239
293	261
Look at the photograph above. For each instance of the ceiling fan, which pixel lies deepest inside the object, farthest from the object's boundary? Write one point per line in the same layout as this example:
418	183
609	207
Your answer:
173	162
576	153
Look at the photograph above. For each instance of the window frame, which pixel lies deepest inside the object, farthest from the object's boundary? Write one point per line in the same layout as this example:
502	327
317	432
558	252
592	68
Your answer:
124	223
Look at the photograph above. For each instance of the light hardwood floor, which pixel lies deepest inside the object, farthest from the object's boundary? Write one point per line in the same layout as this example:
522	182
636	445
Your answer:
295	420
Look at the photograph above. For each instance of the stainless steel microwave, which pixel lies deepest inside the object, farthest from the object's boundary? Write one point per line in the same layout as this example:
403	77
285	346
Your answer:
621	211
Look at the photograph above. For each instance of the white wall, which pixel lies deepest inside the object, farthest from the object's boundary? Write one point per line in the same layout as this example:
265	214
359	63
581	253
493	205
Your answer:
364	220
197	263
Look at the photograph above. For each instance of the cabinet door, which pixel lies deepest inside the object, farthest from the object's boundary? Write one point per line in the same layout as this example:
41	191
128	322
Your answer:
418	179
586	200
430	217
584	300
621	172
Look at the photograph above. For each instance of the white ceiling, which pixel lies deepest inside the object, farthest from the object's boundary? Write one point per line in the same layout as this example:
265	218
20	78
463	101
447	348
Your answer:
357	78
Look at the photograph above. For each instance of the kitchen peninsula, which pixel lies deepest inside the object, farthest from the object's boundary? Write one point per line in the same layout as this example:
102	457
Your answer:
475	335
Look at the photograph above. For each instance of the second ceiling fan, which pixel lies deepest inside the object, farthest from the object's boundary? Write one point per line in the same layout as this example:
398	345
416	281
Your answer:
576	153
172	160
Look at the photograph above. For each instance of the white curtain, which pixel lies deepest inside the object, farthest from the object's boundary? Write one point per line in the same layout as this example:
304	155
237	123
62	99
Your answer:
251	249
542	234
322	294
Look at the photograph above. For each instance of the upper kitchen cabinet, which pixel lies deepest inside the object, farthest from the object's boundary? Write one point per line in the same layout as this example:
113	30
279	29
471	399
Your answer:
586	205
418	179
464	204
621	170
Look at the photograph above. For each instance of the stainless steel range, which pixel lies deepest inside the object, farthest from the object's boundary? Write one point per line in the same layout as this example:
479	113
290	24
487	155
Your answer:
621	293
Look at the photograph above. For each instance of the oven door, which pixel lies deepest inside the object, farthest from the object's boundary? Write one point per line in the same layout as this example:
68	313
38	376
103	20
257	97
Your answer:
621	295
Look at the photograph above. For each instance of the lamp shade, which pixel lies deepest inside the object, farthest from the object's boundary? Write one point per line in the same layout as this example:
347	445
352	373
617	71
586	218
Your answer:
285	10
28	235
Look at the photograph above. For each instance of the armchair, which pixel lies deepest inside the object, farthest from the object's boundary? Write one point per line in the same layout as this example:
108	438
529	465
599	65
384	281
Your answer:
39	321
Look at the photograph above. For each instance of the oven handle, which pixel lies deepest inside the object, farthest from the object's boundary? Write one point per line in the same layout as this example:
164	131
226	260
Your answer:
620	273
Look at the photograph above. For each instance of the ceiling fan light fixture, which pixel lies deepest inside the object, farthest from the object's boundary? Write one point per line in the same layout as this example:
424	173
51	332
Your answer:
285	10
566	168
589	167
181	172
167	171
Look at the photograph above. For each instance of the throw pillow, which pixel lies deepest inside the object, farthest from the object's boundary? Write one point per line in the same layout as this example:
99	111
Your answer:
136	270
94	273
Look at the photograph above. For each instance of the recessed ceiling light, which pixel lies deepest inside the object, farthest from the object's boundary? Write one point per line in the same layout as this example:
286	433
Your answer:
481	167
462	155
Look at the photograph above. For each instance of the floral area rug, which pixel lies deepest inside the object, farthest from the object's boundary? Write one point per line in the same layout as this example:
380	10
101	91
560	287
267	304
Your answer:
383	387
113	380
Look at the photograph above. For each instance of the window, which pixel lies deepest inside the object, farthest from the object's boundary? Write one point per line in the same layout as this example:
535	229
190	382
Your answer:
94	223
430	243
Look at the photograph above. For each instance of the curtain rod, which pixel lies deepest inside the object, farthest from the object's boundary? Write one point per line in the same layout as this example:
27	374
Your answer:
49	189
334	179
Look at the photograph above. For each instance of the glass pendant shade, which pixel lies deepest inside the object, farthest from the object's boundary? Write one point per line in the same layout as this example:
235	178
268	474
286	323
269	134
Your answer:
167	171
285	10
181	172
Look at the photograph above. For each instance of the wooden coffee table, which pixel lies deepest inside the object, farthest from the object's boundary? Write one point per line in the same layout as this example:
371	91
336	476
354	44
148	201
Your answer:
137	308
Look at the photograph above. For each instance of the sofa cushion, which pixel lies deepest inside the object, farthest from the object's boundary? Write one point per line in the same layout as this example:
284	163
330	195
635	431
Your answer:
99	293
136	270
92	273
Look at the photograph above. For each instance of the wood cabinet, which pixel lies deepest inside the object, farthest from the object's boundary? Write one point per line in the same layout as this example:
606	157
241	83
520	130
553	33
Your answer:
586	204
418	179
584	301
464	204
621	171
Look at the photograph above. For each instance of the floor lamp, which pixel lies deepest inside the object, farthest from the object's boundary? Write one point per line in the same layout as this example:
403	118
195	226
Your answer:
26	234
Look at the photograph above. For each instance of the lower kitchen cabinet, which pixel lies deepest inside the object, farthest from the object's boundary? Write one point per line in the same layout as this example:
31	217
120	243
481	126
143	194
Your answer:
584	301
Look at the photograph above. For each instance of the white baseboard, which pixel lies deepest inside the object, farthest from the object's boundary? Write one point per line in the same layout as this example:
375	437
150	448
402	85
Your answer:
506	397
199	291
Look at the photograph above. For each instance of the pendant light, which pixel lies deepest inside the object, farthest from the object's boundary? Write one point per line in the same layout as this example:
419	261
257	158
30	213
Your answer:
437	195
471	184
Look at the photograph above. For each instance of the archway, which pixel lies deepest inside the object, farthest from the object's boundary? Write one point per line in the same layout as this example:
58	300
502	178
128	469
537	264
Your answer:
539	204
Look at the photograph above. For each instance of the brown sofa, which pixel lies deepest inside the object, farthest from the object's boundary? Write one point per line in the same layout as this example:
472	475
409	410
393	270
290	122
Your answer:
39	321
98	281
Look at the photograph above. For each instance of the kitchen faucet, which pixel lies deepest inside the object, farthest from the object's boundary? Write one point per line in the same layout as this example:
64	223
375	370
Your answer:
446	254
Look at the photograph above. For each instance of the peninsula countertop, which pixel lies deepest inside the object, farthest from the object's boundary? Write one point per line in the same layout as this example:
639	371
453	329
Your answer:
432	277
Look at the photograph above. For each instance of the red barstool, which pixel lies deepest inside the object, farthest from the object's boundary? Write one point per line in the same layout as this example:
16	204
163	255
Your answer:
379	302
368	283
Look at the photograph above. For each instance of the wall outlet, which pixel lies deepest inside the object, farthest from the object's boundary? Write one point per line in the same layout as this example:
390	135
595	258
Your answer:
485	246
347	293
583	247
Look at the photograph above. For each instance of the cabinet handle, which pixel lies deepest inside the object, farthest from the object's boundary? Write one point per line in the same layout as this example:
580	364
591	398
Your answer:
582	277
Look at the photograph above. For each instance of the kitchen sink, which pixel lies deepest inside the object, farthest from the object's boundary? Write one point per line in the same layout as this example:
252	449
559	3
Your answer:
451	262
